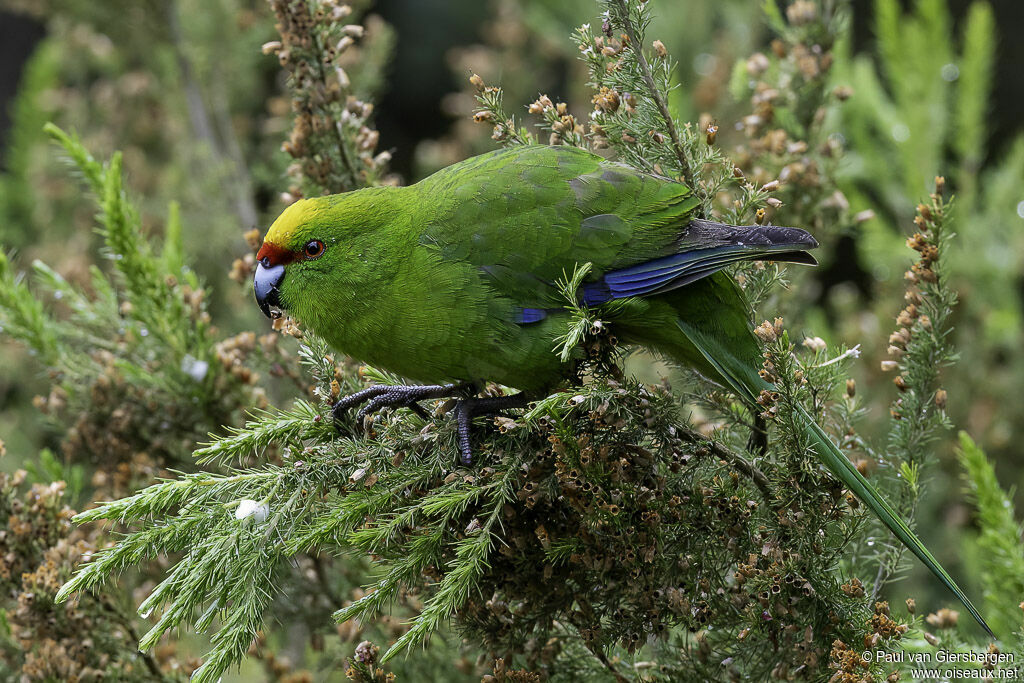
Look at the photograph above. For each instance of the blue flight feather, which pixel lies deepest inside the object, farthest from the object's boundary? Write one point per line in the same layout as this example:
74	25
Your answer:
526	316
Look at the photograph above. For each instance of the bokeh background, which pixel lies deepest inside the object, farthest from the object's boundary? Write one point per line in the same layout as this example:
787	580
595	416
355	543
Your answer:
183	89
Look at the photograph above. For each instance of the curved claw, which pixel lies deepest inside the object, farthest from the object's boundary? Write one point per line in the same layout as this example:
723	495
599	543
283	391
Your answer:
355	399
400	396
392	396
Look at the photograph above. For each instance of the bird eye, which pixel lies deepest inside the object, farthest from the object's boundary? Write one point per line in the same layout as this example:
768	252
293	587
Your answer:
314	248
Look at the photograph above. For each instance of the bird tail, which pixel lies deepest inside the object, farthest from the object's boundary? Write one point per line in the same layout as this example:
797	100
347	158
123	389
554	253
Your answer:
743	379
840	466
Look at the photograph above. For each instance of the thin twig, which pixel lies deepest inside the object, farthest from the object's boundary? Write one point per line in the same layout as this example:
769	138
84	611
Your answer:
232	149
321	575
603	658
151	663
741	463
656	95
598	654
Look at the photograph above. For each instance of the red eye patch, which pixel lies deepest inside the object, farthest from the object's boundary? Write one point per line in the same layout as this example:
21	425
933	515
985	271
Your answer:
275	255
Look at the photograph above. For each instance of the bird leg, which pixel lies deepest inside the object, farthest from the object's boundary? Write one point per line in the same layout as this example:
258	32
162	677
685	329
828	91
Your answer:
468	408
394	396
401	396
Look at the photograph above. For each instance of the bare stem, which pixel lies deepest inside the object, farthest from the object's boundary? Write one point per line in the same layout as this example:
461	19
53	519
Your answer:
741	463
126	622
596	651
203	127
656	95
343	152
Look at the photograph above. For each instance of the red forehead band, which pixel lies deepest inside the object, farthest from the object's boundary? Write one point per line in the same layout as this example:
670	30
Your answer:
275	255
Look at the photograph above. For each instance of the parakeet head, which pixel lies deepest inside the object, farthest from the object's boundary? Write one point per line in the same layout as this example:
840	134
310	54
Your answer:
294	244
317	248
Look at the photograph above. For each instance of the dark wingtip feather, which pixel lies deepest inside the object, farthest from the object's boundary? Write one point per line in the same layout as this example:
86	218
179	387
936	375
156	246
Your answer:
763	235
795	236
801	257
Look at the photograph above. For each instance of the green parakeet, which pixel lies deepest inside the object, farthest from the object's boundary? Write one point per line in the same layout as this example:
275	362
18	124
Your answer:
451	281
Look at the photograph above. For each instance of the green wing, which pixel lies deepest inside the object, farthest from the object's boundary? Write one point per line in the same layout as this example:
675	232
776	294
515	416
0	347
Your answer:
526	215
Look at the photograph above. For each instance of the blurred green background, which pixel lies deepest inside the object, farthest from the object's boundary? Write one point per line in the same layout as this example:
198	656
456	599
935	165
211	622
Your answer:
182	87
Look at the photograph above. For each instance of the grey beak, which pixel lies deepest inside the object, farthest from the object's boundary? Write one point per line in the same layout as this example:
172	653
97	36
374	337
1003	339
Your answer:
266	284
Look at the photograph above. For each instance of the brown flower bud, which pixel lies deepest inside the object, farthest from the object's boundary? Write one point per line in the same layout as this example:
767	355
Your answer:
816	344
757	64
711	133
252	238
843	93
765	332
944	618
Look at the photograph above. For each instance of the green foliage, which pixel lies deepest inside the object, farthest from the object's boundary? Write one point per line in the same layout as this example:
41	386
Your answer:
149	321
148	281
924	112
23	315
598	493
608	532
998	545
921	347
927	99
598	518
16	196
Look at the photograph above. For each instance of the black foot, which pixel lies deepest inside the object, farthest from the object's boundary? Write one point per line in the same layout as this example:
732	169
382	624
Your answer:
393	396
400	396
468	408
